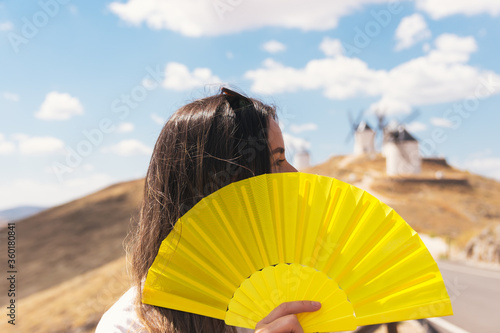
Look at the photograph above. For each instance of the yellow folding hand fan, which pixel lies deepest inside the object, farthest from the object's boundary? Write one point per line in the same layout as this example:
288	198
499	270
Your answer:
248	247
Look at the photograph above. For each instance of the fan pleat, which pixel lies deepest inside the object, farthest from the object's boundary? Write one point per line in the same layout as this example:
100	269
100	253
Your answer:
368	241
215	249
233	239
277	208
194	284
321	244
302	219
168	300
253	222
206	267
401	275
367	275
374	313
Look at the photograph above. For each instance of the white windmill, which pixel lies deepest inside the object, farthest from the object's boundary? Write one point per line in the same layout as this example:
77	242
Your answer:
399	147
401	152
364	139
301	159
364	135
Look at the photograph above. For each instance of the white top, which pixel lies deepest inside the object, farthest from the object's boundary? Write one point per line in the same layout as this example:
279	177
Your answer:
122	318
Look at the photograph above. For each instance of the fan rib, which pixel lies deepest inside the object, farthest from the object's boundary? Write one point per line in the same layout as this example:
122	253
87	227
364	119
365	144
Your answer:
169	300
386	228
279	232
315	295
203	264
244	312
240	320
326	222
256	232
412	295
345	236
262	294
218	251
359	223
362	253
190	282
234	237
303	209
260	307
395	289
382	268
403	313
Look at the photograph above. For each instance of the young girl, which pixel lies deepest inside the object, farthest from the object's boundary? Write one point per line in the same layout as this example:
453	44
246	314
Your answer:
203	147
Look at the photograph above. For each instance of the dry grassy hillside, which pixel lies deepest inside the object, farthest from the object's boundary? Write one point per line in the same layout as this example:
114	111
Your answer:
71	265
66	241
75	305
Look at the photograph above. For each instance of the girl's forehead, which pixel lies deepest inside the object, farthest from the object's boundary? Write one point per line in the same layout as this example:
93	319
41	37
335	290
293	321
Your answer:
274	135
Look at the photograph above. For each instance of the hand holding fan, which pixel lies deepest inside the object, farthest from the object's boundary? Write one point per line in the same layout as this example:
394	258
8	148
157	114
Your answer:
256	243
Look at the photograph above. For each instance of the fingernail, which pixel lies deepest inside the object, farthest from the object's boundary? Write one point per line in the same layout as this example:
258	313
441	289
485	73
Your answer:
316	304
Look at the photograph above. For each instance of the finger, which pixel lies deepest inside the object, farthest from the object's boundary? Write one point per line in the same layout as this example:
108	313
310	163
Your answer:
288	308
288	323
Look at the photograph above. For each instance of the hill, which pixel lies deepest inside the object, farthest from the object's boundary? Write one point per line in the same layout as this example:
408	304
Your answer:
65	241
75	305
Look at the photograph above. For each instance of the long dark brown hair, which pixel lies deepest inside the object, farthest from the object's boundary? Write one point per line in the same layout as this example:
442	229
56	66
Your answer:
204	146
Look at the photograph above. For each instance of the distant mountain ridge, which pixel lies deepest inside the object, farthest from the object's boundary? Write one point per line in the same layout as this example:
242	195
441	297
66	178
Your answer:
17	213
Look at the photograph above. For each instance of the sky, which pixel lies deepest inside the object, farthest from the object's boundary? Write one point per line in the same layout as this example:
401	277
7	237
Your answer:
86	86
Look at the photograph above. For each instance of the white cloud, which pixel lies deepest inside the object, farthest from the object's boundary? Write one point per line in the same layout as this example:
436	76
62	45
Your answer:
295	144
331	47
441	122
273	46
438	9
339	77
303	128
178	77
416	126
411	30
438	77
129	147
157	119
6	147
6	26
389	106
59	106
451	48
486	166
10	96
44	193
211	18
38	145
125	127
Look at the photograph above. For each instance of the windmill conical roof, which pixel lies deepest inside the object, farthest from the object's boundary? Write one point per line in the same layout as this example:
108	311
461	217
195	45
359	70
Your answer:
363	126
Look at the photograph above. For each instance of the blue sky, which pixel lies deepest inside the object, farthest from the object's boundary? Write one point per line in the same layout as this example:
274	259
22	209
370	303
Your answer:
86	86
